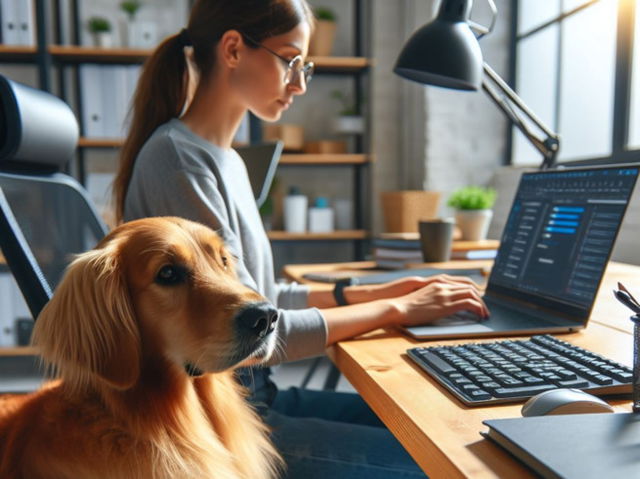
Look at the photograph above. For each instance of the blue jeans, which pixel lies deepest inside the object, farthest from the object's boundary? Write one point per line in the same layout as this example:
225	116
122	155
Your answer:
326	434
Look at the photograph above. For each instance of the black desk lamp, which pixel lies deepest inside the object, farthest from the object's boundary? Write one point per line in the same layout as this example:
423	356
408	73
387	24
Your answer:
446	53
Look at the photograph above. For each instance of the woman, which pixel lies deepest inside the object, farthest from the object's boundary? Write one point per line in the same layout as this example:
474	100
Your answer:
178	160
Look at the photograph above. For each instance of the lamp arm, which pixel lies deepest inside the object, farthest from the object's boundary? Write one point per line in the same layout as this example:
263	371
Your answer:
507	101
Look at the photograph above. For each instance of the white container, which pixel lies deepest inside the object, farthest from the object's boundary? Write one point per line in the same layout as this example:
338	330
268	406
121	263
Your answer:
295	211
321	217
343	208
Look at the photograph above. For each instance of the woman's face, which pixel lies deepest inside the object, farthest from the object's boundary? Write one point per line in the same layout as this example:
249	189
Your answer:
260	75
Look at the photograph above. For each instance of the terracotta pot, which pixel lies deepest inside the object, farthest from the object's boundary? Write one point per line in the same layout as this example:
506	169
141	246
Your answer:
403	210
326	147
321	43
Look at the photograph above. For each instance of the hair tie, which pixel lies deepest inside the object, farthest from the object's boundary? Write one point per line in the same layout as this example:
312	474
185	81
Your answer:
185	38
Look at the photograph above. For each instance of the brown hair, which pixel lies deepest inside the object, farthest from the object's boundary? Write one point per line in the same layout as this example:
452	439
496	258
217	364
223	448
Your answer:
162	89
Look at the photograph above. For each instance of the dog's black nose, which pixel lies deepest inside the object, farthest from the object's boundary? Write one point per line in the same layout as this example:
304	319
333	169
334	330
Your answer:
258	319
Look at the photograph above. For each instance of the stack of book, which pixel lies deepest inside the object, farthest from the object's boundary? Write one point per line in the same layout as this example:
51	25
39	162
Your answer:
398	250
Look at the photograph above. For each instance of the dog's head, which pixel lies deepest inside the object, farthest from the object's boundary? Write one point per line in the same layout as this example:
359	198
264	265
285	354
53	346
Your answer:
153	289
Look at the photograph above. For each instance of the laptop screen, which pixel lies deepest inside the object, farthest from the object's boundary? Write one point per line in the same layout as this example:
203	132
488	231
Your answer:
559	236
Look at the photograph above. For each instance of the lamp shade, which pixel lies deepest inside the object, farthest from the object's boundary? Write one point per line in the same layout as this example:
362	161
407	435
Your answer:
444	52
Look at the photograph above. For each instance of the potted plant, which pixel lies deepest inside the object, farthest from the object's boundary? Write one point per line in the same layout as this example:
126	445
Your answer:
137	34
324	33
349	122
100	28
473	211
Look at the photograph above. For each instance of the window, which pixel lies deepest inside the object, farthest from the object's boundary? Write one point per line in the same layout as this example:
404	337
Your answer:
573	72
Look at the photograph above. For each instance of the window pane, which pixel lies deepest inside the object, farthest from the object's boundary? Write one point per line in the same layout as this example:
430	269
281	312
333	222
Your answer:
587	81
533	13
634	121
568	5
536	85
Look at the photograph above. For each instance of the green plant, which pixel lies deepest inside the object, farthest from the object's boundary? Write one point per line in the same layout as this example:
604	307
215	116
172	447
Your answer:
99	25
131	8
348	107
326	14
472	198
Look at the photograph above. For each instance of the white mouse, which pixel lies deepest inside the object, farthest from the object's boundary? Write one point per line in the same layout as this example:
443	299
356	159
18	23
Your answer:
564	401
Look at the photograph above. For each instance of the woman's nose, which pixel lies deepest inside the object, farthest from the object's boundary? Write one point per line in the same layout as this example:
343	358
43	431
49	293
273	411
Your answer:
298	85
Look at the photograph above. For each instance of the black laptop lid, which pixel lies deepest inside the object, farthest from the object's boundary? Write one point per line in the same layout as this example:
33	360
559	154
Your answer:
262	162
559	236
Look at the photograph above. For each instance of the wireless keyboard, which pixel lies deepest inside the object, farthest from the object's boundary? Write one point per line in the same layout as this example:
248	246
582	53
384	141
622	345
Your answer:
513	371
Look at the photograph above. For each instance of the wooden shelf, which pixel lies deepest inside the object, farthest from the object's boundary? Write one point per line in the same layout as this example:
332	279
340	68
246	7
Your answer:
287	159
19	351
100	142
335	236
313	159
76	54
14	53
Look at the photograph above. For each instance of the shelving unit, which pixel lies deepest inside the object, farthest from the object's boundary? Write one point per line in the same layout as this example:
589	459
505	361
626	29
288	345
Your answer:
53	59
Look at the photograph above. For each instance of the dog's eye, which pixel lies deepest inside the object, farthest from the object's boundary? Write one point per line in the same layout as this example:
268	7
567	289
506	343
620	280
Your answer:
170	275
225	262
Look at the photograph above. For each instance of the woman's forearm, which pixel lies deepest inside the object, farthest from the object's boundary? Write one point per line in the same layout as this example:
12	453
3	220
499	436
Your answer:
348	321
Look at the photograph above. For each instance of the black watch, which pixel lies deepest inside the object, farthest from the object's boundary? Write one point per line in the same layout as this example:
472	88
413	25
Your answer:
338	290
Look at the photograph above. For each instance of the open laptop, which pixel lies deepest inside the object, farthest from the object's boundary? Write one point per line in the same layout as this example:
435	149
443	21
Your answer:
554	249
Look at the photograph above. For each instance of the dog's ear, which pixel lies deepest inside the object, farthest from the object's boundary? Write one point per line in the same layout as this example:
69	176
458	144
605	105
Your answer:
88	328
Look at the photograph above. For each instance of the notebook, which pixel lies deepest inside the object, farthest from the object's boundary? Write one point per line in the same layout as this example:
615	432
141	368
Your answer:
554	249
585	446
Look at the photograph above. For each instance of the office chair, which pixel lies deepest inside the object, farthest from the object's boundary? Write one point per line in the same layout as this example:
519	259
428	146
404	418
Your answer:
46	217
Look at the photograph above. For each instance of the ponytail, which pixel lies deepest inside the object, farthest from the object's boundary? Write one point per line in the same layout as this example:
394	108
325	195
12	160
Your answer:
160	96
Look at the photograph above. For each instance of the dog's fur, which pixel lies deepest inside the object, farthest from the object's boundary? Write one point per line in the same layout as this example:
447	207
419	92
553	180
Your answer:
124	405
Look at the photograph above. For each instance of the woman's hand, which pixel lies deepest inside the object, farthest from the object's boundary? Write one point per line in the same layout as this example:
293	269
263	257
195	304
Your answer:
400	287
441	297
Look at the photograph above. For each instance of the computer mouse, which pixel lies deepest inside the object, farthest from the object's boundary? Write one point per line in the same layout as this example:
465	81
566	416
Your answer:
564	401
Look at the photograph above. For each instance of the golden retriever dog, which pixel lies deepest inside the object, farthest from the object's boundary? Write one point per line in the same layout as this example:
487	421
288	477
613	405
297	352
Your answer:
144	332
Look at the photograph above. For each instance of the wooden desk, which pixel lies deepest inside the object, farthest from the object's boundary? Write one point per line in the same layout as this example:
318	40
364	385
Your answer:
440	433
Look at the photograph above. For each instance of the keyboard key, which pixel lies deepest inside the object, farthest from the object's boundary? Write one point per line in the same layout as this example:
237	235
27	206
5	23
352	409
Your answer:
576	383
480	395
521	391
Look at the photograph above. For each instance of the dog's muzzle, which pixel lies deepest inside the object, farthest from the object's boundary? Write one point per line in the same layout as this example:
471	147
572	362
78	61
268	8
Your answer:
257	320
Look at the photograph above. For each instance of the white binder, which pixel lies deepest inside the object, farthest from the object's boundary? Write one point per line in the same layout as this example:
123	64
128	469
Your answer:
26	23
10	22
92	104
7	338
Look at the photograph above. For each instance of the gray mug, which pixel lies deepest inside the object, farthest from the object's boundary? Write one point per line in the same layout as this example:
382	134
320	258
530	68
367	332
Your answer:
436	237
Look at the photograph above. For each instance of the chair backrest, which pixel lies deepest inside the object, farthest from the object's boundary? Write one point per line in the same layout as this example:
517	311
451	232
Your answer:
46	217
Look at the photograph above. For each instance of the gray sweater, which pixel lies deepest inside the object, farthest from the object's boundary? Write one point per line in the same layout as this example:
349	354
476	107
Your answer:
178	173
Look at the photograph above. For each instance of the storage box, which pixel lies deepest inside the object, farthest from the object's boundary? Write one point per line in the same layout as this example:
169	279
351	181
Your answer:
403	210
291	135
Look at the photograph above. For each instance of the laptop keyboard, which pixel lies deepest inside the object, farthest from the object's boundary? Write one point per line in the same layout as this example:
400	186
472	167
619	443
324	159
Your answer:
514	370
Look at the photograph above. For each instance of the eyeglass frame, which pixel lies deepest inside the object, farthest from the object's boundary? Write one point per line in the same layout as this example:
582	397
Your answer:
307	68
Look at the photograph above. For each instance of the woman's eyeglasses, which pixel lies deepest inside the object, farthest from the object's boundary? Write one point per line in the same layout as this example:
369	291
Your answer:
295	67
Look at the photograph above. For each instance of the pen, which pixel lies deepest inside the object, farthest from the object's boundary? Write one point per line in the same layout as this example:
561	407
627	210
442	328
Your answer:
624	298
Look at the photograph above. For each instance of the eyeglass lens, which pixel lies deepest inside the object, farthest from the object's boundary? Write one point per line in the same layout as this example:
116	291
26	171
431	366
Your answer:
297	67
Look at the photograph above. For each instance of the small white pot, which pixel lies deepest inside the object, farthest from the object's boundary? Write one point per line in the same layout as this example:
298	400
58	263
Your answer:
474	224
349	125
103	39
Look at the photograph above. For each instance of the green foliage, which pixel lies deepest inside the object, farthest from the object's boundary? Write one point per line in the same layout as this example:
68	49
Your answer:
326	14
99	25
348	108
131	7
472	198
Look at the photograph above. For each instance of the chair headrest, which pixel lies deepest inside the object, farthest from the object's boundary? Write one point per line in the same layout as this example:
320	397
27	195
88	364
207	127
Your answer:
35	126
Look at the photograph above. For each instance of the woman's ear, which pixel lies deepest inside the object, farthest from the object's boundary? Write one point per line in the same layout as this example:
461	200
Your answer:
230	48
88	328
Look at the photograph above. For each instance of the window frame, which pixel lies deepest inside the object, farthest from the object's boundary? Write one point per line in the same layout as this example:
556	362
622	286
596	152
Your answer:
622	84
